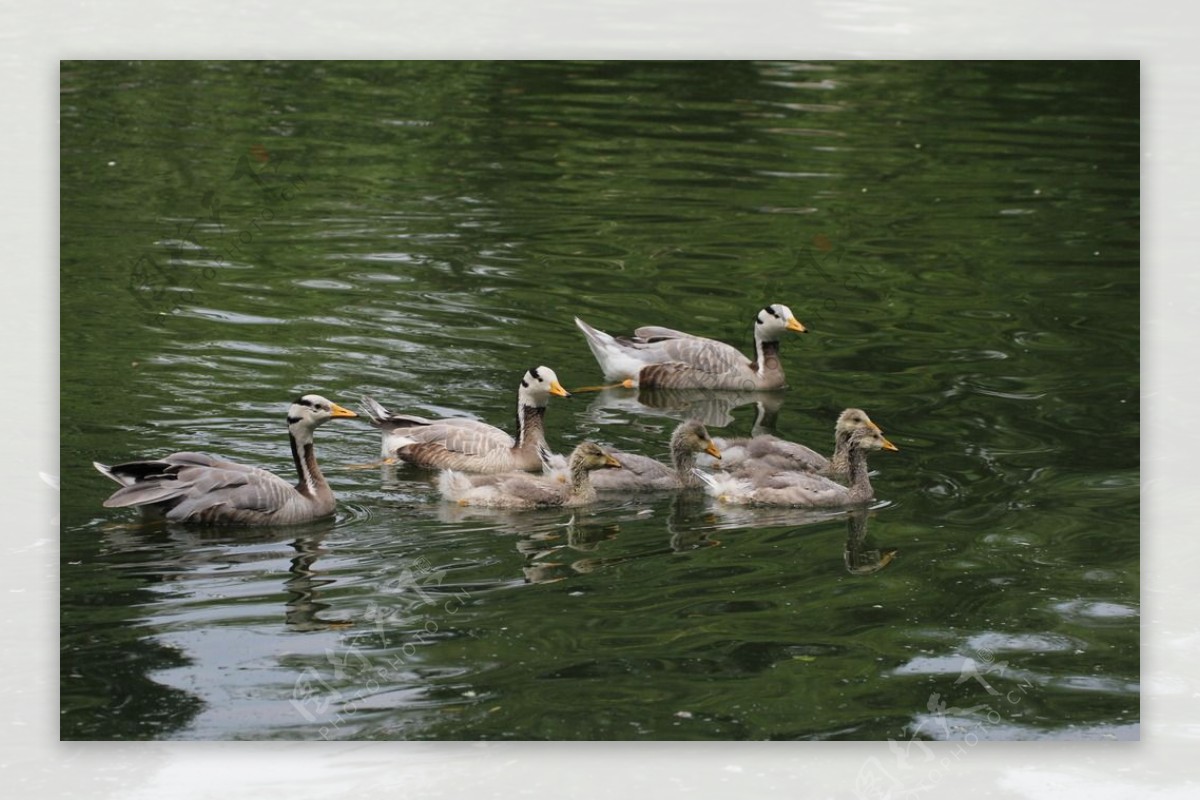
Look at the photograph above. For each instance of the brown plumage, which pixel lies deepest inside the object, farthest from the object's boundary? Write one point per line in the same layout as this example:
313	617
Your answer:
524	491
643	474
767	486
197	488
460	443
765	450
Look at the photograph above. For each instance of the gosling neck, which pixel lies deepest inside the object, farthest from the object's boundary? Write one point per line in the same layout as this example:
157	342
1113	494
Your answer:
581	479
860	481
839	463
684	459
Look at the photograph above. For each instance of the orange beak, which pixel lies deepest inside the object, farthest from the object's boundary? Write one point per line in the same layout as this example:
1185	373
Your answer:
795	325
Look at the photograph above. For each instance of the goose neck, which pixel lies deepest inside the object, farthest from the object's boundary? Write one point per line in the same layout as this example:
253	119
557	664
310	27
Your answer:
766	356
531	425
312	482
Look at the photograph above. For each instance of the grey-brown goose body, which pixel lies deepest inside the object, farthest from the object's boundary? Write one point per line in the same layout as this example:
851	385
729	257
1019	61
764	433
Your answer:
189	487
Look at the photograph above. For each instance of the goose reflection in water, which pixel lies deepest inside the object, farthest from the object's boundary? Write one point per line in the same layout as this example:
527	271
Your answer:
187	555
711	407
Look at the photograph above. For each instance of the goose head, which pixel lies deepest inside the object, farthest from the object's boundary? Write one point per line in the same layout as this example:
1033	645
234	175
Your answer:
538	384
692	437
310	411
772	321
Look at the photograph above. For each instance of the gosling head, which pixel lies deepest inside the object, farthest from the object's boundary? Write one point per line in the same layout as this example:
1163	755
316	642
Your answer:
853	419
590	456
692	436
870	439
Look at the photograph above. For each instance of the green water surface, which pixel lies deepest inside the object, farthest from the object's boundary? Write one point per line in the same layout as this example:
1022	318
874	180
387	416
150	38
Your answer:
961	239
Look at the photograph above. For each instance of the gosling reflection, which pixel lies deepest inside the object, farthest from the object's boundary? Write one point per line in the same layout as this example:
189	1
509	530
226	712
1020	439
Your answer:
555	563
550	560
859	557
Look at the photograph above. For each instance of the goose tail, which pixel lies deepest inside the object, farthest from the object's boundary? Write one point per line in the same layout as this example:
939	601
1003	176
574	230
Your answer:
615	361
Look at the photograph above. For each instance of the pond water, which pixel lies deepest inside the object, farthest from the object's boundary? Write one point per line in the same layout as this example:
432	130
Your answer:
961	240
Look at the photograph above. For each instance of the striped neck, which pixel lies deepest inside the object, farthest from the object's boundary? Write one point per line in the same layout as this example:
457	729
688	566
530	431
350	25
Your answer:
531	427
312	482
766	357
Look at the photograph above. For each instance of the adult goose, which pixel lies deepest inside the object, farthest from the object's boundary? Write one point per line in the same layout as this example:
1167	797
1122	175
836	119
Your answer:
197	488
769	487
524	491
663	357
460	443
765	450
643	474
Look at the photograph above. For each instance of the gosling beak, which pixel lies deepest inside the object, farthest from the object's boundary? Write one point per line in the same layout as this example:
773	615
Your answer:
557	389
888	446
340	411
712	450
610	461
795	325
871	425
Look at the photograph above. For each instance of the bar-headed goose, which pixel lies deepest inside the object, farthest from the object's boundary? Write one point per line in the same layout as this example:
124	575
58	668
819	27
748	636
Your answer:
460	443
663	357
524	491
197	488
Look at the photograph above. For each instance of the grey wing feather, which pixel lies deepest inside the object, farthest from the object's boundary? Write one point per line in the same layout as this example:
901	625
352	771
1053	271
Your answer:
535	491
458	443
796	488
474	446
190	485
678	375
450	429
651	332
464	436
771	451
637	472
706	355
234	495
